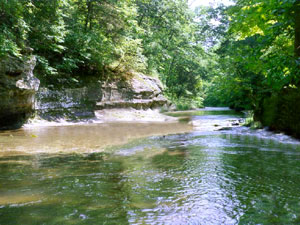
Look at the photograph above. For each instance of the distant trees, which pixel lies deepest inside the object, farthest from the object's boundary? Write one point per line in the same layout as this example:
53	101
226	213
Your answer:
170	45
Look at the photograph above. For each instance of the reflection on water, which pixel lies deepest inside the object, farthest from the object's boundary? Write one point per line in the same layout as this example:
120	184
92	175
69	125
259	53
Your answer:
190	178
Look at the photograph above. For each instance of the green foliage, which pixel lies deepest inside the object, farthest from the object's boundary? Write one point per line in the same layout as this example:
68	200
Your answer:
270	28
13	28
188	103
257	54
78	39
73	37
173	44
232	56
250	122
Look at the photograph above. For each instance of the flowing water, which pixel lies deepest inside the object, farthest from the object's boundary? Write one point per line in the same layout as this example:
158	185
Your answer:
115	174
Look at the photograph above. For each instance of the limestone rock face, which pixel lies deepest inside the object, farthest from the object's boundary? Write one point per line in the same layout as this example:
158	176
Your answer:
77	104
17	90
141	92
71	104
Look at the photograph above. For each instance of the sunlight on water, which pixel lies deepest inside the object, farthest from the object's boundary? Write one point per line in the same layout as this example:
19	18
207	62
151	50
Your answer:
194	177
81	138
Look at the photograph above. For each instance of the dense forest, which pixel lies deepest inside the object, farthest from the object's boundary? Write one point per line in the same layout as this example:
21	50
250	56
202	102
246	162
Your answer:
234	55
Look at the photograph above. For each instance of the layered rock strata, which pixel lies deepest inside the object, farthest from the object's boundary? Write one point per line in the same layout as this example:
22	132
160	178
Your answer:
18	87
140	92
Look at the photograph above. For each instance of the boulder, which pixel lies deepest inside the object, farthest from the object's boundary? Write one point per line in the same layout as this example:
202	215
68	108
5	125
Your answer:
17	90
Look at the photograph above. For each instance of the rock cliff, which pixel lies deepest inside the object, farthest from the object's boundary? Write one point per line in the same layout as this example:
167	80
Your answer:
20	95
140	92
17	90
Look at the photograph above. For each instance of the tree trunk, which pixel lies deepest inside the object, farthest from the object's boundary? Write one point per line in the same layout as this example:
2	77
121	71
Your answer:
297	28
88	15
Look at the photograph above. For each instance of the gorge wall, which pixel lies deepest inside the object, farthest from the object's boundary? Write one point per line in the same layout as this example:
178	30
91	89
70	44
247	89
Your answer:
17	90
21	97
140	92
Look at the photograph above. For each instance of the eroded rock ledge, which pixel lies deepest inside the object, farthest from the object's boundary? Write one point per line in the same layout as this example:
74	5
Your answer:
140	92
17	90
20	95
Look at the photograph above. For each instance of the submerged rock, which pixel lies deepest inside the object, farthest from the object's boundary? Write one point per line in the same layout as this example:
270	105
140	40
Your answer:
225	128
132	115
17	90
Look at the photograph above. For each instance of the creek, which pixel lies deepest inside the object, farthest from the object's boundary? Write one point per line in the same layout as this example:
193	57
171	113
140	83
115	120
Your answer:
191	172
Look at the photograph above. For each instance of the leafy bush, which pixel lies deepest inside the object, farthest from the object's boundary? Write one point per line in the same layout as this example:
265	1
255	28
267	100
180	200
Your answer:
188	103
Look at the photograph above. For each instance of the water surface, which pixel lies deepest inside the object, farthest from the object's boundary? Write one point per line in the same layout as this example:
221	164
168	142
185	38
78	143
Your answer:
235	176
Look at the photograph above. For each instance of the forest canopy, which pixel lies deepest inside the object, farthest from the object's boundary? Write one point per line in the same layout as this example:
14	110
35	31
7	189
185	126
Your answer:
259	54
232	55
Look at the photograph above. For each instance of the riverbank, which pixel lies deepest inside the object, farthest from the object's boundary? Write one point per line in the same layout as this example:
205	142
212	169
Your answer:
106	116
280	112
137	98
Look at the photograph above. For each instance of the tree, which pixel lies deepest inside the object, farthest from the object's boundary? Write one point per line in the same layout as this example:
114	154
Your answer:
297	28
258	53
13	27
